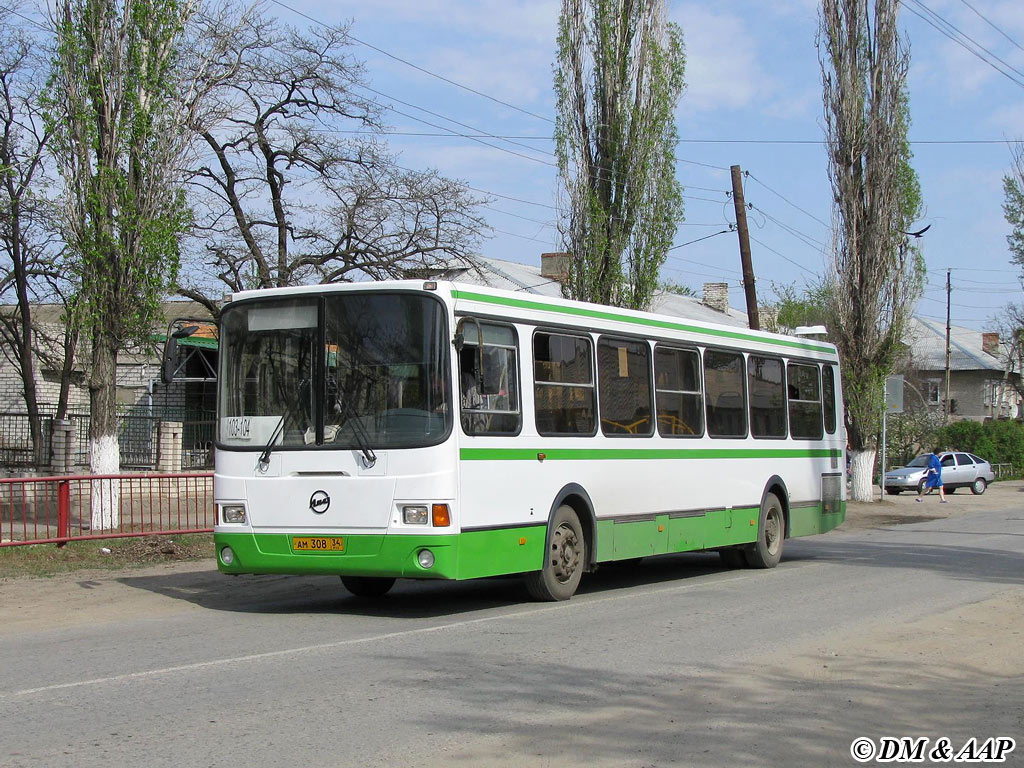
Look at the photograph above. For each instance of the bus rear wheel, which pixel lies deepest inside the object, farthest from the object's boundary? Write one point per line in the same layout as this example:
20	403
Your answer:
367	586
564	559
771	533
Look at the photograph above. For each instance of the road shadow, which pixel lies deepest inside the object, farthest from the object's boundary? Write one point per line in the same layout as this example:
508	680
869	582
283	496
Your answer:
804	713
411	599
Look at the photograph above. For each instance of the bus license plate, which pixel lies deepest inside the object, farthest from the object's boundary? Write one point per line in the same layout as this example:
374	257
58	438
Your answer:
318	543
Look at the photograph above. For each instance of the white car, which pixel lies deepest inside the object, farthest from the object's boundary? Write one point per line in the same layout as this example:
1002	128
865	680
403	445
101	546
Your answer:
959	470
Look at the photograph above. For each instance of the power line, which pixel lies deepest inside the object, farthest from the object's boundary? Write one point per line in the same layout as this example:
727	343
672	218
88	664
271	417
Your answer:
941	27
782	255
483	134
706	237
517	216
997	29
415	66
703	165
787	200
804	238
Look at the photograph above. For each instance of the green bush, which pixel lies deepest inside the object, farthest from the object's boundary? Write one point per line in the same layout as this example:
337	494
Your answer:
998	442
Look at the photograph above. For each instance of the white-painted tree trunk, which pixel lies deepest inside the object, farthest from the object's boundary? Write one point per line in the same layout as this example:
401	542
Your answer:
105	460
862	464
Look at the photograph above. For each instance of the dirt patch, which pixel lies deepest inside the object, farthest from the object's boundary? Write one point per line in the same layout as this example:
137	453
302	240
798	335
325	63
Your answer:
904	509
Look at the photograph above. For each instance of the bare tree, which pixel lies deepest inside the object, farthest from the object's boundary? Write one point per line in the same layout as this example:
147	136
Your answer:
618	78
27	232
284	198
877	276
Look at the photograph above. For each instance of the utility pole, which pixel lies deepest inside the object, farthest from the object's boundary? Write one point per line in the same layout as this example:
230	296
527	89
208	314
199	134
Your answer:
949	290
741	228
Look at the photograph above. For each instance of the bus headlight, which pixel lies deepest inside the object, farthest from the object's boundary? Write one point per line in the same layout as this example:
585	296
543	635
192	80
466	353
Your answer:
425	558
415	515
227	556
233	513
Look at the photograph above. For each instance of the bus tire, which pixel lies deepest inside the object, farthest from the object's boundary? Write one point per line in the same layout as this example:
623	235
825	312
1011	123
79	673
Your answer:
771	533
367	586
733	557
564	559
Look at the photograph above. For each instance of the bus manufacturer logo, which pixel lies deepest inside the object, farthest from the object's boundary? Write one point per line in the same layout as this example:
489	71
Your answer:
319	502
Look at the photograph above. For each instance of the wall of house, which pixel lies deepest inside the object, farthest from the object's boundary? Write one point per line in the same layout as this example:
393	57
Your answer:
972	392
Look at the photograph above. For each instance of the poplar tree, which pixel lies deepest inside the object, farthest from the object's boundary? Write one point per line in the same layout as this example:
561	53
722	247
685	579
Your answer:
877	275
118	136
618	78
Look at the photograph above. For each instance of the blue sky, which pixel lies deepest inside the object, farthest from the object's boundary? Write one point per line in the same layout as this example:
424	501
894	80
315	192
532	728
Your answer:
752	78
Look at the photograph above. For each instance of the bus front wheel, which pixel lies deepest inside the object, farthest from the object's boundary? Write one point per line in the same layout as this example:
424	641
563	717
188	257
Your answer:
367	586
771	532
564	559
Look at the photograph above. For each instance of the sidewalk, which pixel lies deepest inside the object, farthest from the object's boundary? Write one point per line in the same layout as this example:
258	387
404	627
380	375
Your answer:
895	510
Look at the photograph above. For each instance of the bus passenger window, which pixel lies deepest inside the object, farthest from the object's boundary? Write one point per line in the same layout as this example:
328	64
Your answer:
489	380
804	401
563	384
767	397
677	389
726	396
828	390
624	380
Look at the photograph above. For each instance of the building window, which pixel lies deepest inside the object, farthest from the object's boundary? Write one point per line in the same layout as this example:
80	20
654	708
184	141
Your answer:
931	391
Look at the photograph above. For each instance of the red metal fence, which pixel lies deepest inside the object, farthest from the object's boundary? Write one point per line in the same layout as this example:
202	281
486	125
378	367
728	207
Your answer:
40	510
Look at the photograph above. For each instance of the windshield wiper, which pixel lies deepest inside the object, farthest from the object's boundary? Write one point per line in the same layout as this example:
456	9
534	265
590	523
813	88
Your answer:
359	432
264	460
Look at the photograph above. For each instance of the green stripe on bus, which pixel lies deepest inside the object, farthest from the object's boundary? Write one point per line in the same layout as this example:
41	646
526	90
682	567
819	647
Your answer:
601	454
603	315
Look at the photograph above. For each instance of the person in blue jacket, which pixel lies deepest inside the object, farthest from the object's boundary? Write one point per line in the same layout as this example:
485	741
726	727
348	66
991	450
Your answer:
933	477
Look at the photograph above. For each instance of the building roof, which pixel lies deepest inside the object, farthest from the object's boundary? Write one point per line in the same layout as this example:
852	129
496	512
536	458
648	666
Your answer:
927	339
526	278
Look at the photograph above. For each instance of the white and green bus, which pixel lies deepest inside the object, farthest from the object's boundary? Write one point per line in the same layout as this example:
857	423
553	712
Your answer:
432	430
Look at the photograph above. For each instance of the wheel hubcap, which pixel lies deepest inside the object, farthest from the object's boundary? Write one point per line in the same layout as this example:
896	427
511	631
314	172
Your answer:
565	553
772	530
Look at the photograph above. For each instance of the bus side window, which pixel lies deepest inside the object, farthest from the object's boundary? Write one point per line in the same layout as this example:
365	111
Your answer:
725	386
624	381
563	384
489	380
805	412
678	393
767	397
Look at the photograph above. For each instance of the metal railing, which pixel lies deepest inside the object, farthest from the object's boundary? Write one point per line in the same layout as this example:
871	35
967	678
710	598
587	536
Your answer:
56	510
137	439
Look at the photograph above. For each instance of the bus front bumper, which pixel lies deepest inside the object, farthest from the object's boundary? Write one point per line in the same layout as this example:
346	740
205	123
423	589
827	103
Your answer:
394	555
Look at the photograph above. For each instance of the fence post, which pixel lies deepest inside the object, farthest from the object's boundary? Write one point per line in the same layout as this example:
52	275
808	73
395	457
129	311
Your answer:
63	511
169	447
61	441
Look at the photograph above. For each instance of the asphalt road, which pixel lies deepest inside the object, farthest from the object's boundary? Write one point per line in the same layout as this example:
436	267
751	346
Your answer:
912	630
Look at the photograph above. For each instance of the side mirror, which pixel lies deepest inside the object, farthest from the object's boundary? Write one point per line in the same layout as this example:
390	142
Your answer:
170	362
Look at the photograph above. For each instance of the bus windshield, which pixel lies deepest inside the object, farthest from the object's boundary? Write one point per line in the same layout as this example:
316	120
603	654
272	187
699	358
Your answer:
344	370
